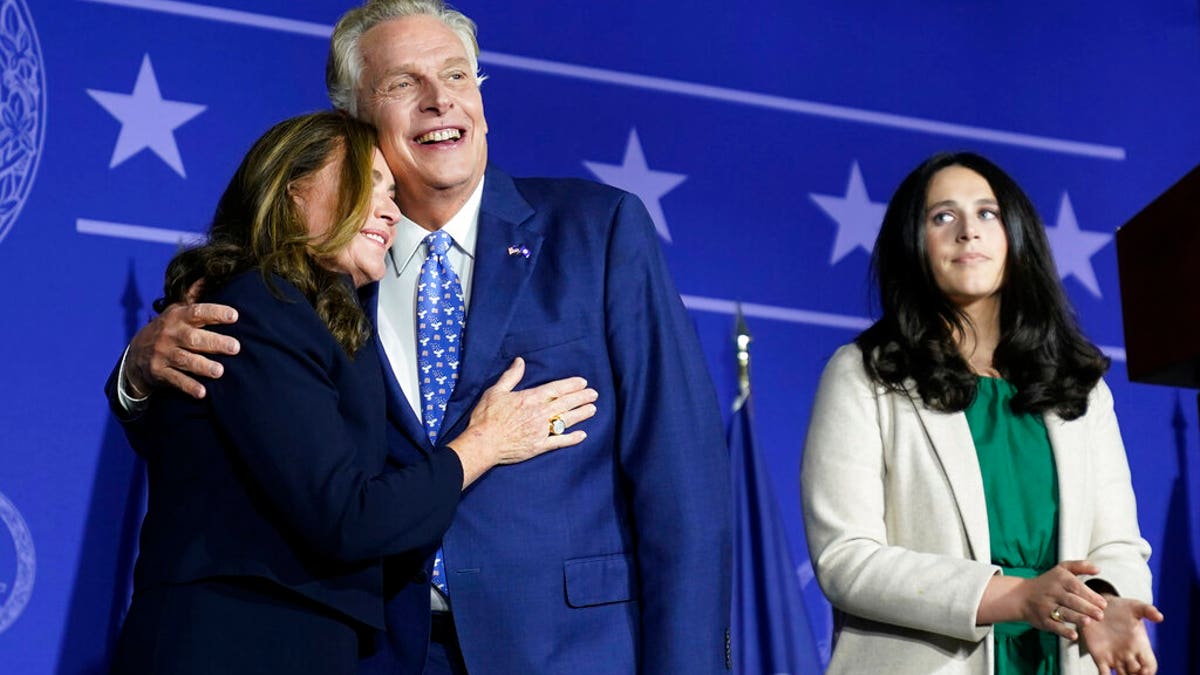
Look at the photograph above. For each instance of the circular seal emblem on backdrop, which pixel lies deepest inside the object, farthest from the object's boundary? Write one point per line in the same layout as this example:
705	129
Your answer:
22	110
16	591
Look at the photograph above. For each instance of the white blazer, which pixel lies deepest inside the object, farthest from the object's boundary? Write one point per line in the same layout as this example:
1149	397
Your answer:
897	525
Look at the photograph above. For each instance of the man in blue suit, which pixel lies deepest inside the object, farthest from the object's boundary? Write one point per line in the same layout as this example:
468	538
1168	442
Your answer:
611	558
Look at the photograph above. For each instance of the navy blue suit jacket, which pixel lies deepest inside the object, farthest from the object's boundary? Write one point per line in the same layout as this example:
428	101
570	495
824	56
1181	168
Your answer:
276	473
612	556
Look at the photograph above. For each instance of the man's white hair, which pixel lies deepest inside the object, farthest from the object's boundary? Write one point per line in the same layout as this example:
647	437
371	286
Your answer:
344	67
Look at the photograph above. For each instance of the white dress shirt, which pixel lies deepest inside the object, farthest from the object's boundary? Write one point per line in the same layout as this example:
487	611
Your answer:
397	317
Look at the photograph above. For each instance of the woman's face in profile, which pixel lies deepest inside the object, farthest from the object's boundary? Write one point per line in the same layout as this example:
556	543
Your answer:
317	199
964	236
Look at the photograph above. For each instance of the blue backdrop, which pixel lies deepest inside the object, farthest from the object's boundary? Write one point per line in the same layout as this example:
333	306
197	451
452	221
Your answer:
764	137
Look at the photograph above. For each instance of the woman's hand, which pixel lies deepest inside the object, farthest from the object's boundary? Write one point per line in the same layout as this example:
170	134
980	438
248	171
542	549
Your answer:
512	426
1055	601
1119	642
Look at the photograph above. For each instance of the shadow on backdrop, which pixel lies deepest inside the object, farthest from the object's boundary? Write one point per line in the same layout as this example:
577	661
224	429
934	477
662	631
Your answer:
104	577
1177	591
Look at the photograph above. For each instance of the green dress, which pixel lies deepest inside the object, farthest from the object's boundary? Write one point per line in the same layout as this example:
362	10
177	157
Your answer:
1021	486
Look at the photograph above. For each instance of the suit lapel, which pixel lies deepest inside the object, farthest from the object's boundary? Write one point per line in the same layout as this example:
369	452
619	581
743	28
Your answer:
951	439
1067	444
399	412
500	275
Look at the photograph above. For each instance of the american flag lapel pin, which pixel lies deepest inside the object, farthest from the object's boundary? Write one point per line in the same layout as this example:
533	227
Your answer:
518	249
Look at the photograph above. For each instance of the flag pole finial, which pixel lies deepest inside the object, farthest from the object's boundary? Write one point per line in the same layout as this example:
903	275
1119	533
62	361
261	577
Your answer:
741	343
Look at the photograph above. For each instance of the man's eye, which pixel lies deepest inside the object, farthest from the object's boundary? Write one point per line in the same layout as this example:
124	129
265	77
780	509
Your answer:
396	86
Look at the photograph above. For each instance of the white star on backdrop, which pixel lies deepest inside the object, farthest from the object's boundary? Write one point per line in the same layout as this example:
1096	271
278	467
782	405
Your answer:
633	175
1073	248
857	217
147	119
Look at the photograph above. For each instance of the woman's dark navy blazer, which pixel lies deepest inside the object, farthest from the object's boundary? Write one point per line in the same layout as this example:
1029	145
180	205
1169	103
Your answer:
278	472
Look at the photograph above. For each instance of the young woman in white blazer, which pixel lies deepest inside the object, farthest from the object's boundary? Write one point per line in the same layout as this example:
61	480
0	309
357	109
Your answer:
966	495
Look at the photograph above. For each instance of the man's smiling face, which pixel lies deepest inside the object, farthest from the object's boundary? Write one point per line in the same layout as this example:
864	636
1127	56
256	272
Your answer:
418	88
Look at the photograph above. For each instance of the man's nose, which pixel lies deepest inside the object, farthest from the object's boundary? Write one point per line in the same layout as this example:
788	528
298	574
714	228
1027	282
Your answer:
436	97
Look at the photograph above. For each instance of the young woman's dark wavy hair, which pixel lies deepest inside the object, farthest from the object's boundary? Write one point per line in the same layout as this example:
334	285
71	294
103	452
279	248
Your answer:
1041	352
258	225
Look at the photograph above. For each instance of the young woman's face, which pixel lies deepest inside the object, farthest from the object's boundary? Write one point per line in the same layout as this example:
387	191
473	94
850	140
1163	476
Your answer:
964	236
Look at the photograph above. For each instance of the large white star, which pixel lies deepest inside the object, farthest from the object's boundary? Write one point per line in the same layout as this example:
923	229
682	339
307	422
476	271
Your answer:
147	119
1073	248
857	217
633	175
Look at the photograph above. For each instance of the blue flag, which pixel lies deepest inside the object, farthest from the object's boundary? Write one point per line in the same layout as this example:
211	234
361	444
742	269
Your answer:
771	631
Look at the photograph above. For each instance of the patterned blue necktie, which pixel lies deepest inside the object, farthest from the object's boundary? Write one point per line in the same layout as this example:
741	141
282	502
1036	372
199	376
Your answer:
440	311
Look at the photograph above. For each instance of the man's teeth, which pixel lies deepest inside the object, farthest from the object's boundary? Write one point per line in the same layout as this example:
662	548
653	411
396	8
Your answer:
440	135
375	237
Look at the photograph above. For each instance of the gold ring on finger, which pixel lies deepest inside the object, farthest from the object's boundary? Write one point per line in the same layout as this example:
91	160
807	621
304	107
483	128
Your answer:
557	425
1056	615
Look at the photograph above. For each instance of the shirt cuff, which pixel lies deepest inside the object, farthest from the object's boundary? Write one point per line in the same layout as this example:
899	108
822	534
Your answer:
129	403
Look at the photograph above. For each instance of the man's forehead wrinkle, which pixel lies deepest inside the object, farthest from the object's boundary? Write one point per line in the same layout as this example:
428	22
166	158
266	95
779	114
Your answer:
414	67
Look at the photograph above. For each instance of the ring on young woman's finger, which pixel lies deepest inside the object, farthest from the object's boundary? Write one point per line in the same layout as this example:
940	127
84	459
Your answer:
1056	615
557	425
